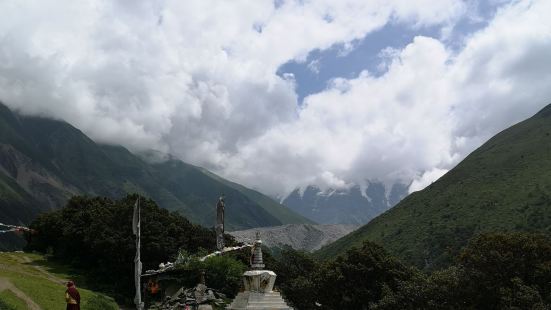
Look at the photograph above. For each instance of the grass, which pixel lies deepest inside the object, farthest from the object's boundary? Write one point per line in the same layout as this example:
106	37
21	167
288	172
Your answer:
31	274
8	301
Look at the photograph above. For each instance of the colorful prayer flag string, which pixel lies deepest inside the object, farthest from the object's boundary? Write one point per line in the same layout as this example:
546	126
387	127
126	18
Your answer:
14	228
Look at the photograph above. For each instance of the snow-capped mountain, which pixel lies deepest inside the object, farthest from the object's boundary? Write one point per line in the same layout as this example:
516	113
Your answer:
354	205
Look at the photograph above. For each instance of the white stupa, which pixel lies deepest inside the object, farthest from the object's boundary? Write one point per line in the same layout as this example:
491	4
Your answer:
259	285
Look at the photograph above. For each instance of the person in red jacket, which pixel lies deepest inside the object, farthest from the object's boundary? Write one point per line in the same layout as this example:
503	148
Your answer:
72	296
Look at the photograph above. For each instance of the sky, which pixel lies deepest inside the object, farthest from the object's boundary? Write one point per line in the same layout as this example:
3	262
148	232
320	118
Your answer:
288	93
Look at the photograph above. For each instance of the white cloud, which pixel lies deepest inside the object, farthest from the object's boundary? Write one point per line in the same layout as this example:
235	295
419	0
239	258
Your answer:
428	111
387	128
426	179
314	66
198	79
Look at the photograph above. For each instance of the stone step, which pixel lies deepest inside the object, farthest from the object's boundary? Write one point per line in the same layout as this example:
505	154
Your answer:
266	298
265	294
271	298
260	295
268	306
264	308
259	301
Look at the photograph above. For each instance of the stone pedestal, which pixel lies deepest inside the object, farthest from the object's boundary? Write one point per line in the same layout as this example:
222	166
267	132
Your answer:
259	281
259	294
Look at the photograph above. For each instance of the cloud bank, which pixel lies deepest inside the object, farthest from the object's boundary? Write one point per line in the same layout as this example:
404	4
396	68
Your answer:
198	79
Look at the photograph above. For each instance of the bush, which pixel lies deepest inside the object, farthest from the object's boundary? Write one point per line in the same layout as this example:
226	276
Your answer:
224	273
296	273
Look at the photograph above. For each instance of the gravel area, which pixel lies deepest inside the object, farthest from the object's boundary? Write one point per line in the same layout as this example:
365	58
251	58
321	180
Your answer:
299	236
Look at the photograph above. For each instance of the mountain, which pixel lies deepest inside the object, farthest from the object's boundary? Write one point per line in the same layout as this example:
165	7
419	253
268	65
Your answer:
306	237
43	162
505	185
345	206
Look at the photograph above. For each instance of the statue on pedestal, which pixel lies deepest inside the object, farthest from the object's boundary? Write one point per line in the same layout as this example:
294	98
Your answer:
220	223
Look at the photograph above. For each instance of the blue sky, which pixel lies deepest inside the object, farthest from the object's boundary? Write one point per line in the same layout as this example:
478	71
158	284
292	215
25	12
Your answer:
339	61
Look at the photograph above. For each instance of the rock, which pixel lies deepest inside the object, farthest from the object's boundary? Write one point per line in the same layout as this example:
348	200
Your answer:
192	297
178	293
210	295
200	293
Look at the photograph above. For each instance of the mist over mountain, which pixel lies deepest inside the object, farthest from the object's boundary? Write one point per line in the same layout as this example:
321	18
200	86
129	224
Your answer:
345	206
44	162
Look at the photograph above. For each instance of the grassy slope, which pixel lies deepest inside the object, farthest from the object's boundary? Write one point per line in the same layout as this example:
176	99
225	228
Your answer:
41	285
502	186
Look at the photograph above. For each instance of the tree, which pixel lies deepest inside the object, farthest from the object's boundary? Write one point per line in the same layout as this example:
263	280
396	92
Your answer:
440	290
494	271
296	273
507	270
95	234
359	278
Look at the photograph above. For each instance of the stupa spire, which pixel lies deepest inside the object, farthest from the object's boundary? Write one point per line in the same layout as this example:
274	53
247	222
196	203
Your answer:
256	260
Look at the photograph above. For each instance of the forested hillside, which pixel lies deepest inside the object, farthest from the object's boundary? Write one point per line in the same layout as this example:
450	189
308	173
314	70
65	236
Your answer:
505	185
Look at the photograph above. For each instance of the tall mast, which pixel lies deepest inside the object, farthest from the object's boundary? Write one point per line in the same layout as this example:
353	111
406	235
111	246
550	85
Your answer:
136	227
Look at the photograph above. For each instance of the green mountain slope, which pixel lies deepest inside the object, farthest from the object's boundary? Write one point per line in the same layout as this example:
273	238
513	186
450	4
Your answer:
505	185
43	162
